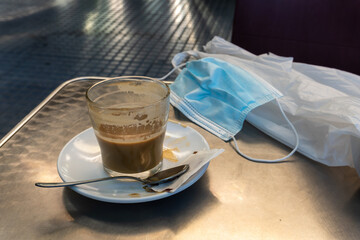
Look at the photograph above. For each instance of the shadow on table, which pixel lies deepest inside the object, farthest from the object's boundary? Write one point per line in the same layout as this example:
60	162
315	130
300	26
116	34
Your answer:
353	206
171	213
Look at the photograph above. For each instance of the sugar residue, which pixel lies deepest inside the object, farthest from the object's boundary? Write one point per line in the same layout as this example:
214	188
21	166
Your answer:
134	195
177	141
169	154
179	123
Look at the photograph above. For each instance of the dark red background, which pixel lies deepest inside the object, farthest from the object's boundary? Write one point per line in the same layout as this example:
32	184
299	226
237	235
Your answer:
320	32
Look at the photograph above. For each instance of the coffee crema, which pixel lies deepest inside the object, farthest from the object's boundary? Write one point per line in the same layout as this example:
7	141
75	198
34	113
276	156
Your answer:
120	132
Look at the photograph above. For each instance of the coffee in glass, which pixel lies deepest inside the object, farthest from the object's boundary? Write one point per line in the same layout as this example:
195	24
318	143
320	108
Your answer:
129	116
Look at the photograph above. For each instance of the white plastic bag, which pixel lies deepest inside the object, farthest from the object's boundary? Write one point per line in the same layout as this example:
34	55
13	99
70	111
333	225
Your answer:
322	103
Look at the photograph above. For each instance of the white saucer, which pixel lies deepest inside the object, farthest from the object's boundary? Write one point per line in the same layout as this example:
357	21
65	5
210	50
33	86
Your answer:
81	159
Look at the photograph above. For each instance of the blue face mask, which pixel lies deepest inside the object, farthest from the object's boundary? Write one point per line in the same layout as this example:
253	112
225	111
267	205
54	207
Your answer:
218	96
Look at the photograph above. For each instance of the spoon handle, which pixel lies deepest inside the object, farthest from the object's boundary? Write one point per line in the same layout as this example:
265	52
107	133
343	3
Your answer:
68	184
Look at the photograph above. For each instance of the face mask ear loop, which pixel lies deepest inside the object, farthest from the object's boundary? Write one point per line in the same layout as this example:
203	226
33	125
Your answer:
276	160
171	72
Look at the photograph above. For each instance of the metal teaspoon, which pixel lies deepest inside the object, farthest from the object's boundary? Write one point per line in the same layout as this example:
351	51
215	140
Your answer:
160	177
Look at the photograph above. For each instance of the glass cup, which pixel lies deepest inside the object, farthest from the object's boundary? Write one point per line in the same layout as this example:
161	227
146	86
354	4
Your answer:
129	116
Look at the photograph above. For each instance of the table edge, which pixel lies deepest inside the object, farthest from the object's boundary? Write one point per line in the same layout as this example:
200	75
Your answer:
42	104
45	101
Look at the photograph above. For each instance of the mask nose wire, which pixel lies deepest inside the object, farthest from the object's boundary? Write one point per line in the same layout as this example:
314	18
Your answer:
275	160
171	72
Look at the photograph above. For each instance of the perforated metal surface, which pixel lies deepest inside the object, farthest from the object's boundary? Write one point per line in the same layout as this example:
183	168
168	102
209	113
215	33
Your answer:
46	42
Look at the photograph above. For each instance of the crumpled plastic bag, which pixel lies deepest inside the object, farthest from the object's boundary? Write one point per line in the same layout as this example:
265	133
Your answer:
322	103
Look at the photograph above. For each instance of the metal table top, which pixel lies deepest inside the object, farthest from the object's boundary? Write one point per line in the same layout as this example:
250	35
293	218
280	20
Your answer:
235	199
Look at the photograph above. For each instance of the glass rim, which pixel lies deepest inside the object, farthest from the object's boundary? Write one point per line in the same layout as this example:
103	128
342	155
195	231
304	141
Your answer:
127	78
